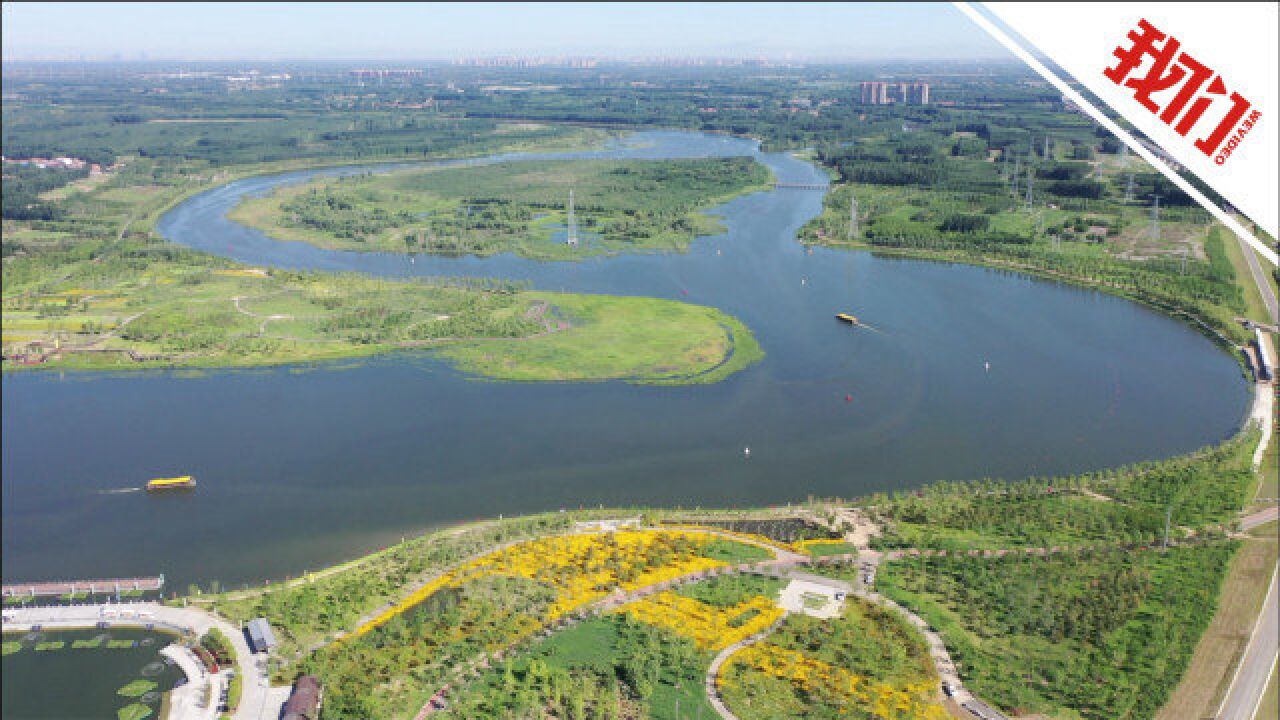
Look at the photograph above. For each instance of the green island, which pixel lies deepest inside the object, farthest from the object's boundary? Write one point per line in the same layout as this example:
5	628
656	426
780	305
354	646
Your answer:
522	208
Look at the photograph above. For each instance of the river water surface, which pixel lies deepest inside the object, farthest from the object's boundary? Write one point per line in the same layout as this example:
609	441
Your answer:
301	467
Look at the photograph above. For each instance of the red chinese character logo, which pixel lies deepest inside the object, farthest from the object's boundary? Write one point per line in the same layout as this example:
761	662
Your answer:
1169	67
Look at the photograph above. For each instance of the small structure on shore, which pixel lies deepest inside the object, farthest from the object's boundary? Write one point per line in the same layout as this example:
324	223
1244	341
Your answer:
261	639
304	701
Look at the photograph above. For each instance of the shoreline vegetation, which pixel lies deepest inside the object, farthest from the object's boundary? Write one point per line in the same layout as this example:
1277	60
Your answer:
367	617
621	206
126	300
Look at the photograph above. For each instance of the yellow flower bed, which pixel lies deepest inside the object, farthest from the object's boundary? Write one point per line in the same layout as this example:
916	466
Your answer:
709	626
815	677
749	538
819	541
581	568
409	601
586	568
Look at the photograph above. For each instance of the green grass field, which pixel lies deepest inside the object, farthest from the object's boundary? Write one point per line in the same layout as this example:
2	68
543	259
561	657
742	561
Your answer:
621	206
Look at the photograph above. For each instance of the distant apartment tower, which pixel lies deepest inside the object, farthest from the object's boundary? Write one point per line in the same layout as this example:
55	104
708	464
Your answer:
366	74
913	93
880	93
875	93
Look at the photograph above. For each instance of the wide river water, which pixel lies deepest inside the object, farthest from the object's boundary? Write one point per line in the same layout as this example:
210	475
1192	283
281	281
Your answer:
302	467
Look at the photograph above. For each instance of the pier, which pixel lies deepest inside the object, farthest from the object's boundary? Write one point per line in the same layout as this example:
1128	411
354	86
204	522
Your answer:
71	587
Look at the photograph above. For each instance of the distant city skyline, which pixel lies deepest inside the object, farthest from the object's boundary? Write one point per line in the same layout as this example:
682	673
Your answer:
439	31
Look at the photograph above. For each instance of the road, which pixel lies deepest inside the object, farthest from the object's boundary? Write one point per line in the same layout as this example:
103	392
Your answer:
1260	279
1245	693
258	700
1262	517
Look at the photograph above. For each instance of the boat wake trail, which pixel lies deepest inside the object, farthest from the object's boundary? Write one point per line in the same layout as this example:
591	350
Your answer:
119	491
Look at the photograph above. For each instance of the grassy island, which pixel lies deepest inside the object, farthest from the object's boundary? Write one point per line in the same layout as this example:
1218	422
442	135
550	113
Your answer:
517	207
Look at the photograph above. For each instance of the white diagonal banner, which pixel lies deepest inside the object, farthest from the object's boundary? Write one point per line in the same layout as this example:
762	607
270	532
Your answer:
1197	79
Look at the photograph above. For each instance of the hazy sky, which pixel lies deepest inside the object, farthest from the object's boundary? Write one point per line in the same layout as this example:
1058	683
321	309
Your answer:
268	31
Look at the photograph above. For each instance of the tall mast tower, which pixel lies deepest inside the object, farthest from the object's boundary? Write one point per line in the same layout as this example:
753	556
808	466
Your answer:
1155	217
573	223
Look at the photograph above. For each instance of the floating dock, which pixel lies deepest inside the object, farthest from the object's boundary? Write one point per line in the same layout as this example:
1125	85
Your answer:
71	587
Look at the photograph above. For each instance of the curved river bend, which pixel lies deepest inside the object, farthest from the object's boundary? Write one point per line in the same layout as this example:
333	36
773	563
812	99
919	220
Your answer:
302	467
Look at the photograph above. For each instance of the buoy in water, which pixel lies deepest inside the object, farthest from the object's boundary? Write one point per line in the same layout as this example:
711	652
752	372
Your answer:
848	398
986	366
684	292
804	281
717	251
746	451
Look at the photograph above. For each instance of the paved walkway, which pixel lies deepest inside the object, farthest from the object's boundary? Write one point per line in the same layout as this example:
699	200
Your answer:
713	672
190	701
258	700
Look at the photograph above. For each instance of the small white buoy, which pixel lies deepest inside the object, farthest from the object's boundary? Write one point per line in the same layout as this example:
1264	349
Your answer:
804	281
717	251
746	451
986	366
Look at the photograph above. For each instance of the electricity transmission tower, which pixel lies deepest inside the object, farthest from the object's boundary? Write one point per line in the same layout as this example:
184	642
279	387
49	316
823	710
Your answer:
1046	147
1155	217
1128	188
853	217
572	238
1031	181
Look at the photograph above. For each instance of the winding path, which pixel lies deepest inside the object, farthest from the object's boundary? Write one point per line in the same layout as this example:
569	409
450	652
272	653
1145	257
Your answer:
713	672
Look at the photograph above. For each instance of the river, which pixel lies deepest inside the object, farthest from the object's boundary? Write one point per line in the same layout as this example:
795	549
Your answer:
302	467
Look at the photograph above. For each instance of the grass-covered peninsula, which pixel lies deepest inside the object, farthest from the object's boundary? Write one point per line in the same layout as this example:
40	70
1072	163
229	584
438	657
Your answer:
522	207
131	304
89	284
